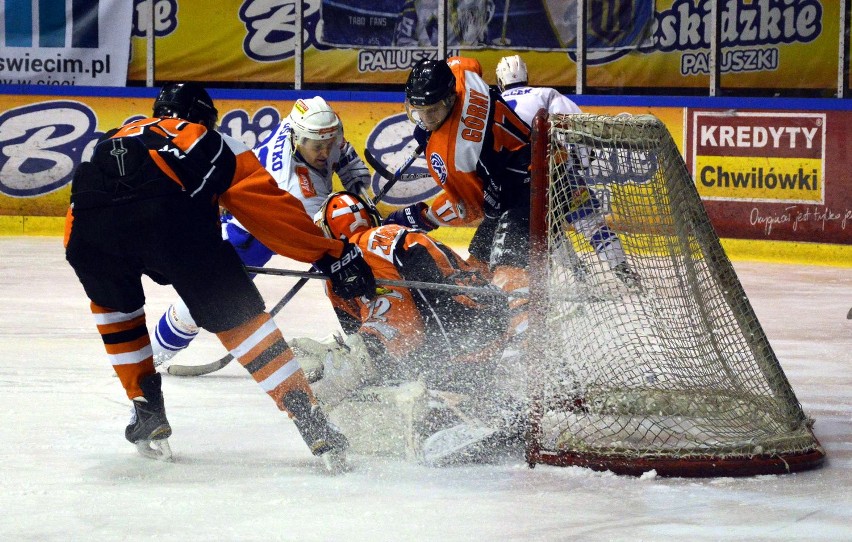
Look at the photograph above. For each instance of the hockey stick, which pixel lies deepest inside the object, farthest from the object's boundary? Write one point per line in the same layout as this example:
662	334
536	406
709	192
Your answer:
213	366
416	284
392	178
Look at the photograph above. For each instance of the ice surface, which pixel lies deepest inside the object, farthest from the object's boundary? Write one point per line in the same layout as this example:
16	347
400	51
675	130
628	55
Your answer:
243	473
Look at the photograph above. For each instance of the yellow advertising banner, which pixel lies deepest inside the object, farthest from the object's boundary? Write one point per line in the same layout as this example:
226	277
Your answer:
796	180
765	174
42	138
766	44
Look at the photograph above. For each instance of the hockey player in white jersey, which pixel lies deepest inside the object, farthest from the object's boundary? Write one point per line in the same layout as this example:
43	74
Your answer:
303	153
513	82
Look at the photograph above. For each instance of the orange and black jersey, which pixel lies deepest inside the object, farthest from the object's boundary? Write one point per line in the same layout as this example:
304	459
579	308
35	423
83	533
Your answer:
405	320
155	157
480	155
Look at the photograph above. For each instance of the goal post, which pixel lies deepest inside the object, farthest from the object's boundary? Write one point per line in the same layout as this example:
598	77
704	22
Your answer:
670	371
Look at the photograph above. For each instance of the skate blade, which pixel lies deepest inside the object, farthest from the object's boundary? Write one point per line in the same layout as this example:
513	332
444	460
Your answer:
335	462
155	449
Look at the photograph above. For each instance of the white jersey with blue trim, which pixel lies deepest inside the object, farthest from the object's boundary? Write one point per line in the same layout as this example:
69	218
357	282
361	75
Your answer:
278	155
526	101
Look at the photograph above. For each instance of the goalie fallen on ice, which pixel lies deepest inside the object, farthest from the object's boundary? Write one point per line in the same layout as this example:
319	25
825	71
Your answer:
416	375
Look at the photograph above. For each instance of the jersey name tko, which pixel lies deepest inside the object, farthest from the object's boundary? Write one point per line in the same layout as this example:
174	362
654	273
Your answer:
311	186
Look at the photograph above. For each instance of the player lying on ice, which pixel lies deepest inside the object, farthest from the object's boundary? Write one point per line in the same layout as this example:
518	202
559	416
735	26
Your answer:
302	154
416	375
147	203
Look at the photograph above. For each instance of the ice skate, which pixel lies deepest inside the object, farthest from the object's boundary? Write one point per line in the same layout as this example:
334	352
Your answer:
148	428
324	439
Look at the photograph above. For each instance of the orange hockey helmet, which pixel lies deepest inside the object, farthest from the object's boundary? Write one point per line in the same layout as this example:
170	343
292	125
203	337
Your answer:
344	214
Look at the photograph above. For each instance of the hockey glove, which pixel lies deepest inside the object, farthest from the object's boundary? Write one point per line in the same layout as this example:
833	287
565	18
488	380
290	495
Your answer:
421	136
413	216
357	186
350	275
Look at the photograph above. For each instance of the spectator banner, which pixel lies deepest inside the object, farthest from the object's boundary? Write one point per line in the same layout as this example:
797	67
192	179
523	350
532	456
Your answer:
766	44
765	175
65	42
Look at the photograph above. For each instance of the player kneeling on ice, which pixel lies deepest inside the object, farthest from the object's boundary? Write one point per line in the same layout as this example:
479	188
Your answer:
415	376
147	204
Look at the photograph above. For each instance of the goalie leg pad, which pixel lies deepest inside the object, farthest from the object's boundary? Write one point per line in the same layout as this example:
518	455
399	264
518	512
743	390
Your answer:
335	366
384	420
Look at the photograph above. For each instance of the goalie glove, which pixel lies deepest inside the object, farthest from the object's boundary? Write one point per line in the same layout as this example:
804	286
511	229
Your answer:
350	275
413	216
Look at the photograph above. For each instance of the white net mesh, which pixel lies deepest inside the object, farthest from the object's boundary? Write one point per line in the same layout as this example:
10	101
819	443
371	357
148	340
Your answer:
646	347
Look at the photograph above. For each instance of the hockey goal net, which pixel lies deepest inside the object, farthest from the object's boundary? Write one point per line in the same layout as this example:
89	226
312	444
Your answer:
672	372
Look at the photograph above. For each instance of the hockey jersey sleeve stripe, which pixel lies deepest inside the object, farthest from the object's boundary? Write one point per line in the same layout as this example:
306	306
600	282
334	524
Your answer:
165	168
277	218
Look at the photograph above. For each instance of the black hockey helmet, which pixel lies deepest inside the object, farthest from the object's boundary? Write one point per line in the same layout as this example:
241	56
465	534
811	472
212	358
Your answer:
188	101
429	82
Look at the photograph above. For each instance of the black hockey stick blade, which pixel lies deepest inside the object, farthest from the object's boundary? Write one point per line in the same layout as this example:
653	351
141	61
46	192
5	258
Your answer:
213	366
376	164
392	178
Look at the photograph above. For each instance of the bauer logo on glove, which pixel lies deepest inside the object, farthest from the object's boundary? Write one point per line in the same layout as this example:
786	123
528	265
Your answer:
350	275
413	216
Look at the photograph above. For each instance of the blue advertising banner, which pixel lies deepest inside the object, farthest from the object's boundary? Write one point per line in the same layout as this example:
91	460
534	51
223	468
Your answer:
65	42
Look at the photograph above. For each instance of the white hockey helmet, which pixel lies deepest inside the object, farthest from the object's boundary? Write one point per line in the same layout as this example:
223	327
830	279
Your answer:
511	71
313	118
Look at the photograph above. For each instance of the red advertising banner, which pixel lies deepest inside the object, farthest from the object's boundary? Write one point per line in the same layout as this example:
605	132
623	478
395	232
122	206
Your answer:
764	175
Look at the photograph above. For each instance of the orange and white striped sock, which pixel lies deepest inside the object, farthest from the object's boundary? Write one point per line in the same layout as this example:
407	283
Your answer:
262	350
127	344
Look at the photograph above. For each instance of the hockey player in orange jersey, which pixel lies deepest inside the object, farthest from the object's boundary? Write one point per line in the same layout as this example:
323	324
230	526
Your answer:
438	341
148	203
416	330
478	151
